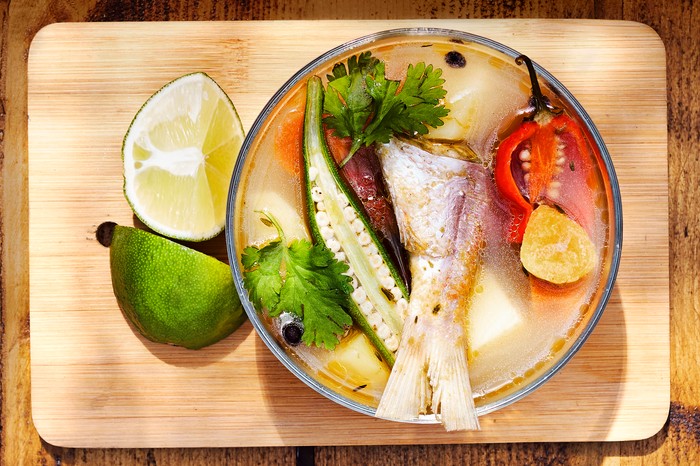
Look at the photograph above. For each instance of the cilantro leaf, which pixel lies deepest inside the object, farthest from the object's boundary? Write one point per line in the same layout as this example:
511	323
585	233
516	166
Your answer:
304	279
262	279
368	108
362	64
324	319
347	99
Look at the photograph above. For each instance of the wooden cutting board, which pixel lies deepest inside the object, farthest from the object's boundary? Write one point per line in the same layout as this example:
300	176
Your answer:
96	383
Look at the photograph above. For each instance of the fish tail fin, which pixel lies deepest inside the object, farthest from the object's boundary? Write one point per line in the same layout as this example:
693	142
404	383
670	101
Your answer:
432	373
407	393
448	372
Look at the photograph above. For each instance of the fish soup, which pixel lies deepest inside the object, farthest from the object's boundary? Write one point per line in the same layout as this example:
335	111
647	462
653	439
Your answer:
482	231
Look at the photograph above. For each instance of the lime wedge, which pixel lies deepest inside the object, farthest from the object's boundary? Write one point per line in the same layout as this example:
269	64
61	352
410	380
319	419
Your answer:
169	292
179	154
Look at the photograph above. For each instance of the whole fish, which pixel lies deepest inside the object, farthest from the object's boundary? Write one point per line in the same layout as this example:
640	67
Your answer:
440	204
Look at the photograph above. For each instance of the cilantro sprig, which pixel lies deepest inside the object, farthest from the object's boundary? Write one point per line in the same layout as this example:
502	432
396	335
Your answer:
365	106
302	278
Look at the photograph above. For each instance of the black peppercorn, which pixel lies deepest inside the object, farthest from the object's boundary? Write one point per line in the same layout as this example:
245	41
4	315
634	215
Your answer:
455	59
292	333
291	328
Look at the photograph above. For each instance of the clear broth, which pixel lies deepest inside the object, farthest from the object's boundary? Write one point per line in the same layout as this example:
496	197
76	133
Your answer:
515	336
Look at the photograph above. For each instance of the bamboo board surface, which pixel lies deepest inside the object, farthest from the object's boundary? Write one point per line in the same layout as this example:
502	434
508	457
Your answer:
96	383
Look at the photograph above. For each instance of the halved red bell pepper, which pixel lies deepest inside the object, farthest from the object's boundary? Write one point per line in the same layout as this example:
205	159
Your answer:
546	159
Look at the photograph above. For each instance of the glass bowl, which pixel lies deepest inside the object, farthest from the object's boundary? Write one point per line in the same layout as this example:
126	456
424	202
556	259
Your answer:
392	45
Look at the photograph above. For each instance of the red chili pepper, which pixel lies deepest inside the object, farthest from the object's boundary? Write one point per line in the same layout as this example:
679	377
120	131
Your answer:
530	160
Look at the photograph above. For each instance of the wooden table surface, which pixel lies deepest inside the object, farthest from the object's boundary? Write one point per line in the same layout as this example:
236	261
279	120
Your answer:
676	22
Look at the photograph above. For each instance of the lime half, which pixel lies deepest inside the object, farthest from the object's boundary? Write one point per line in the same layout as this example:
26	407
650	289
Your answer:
179	154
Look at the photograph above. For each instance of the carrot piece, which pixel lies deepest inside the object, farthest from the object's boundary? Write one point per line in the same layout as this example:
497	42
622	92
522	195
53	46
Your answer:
339	147
288	143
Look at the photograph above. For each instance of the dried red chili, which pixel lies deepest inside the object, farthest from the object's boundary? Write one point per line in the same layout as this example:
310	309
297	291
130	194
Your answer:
531	159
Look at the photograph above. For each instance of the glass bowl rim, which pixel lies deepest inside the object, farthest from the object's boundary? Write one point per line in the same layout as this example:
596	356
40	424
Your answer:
365	41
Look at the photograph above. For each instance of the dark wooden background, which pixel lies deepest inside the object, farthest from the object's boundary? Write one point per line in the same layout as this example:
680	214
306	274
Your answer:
678	24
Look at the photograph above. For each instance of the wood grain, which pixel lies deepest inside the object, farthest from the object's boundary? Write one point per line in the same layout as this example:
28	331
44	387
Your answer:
95	383
677	23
